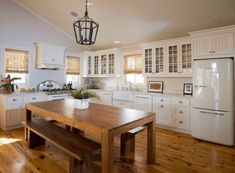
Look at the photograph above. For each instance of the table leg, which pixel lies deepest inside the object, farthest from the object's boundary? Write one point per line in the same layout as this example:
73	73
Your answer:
107	159
151	142
28	117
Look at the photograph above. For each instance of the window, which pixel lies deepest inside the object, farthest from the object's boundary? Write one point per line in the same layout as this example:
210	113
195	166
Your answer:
133	69
73	70
17	64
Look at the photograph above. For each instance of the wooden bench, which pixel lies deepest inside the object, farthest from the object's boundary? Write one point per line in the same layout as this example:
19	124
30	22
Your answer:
79	148
128	142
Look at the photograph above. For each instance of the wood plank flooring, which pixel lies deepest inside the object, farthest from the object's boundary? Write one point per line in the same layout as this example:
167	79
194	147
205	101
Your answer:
175	153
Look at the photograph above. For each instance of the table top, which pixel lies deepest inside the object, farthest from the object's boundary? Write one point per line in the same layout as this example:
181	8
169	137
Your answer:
102	117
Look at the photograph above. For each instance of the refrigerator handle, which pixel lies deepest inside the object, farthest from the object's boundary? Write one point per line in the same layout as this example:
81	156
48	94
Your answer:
214	113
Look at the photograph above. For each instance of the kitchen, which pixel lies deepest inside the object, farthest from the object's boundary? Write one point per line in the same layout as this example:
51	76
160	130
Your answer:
175	74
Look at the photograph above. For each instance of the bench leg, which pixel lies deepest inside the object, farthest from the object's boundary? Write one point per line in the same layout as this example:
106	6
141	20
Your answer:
127	145
34	140
76	166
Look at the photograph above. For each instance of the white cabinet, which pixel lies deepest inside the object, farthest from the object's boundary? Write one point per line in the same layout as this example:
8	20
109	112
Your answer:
12	112
103	63
142	102
50	56
105	97
213	44
162	108
122	103
168	58
181	113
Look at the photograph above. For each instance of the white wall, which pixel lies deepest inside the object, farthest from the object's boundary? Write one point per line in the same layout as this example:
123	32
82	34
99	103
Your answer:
21	28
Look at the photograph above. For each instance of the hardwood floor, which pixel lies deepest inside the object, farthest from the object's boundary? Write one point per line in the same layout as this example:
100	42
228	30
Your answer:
175	153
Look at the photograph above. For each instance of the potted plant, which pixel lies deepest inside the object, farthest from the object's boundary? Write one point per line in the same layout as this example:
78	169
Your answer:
81	98
8	84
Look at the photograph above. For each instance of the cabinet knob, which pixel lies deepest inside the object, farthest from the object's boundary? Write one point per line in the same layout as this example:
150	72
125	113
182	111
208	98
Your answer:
162	106
14	100
34	98
161	100
181	102
181	112
181	122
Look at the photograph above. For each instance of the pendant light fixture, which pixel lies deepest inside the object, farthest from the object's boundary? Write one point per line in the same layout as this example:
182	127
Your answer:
85	29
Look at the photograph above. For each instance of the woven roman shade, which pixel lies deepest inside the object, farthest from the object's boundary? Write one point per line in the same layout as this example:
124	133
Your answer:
133	64
16	61
73	65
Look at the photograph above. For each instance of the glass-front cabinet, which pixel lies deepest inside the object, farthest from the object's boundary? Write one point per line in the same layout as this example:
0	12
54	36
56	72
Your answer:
104	63
168	58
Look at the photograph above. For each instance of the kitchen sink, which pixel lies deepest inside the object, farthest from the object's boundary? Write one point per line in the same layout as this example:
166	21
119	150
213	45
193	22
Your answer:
122	95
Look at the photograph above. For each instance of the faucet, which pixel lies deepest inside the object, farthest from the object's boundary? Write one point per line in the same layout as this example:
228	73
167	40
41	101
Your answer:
130	87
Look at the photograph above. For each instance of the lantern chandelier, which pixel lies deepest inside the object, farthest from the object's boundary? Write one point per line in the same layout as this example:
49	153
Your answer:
85	29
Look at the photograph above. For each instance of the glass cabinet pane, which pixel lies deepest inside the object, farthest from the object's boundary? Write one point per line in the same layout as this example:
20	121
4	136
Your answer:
173	59
89	66
159	59
111	64
148	60
96	65
103	64
186	58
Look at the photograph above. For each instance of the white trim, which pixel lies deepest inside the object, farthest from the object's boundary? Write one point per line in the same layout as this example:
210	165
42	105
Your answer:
212	30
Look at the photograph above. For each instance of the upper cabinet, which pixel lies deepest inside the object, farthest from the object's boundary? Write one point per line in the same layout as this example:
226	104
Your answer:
49	56
104	63
168	58
213	43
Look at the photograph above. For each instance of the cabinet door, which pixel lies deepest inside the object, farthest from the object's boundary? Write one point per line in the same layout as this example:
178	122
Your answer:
159	60
223	44
143	103
103	64
89	65
148	60
105	98
173	59
181	117
163	115
96	65
14	117
186	58
111	58
202	47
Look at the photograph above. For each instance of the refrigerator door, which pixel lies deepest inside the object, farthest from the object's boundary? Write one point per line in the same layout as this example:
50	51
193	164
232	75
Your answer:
213	84
213	126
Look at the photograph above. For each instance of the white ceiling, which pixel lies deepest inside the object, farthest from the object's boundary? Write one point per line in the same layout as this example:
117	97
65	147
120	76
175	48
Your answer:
135	21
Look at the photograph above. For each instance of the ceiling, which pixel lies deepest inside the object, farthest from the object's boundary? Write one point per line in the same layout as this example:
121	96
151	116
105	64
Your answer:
135	21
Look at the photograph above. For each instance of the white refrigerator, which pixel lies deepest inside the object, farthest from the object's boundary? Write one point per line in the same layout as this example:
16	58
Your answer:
213	100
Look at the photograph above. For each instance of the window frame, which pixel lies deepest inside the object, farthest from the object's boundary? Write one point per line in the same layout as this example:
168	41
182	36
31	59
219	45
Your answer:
3	60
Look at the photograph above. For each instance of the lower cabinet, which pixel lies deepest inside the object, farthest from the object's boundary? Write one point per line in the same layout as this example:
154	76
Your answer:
122	103
142	102
172	112
104	98
12	111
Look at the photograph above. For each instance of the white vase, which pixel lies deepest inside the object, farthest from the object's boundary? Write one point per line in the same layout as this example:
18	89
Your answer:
81	103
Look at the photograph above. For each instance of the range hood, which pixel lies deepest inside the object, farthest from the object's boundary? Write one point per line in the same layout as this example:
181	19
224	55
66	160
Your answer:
50	57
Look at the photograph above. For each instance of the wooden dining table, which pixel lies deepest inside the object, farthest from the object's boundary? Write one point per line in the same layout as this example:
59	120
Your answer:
106	121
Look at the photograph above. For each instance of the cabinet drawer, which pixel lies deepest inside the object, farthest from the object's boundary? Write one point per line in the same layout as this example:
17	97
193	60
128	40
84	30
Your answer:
181	102
179	111
182	123
122	104
14	100
33	98
162	101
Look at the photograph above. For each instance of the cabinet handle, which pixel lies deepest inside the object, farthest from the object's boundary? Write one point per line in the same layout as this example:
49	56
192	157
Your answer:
181	122
34	98
14	100
105	94
161	100
141	97
181	112
181	102
53	59
162	106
